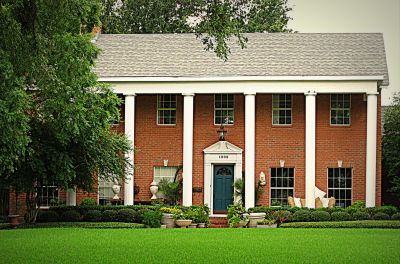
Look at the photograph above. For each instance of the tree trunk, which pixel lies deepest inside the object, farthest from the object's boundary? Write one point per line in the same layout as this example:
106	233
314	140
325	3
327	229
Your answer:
32	207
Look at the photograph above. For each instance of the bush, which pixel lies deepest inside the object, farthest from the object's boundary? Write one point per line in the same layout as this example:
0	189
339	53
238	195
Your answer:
348	224
92	216
387	209
152	218
47	216
320	216
109	215
361	215
97	225
139	215
88	202
301	216
287	215
341	216
70	216
396	216
126	215
381	216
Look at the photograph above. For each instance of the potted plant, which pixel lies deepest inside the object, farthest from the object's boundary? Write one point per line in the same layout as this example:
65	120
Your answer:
182	219
236	216
200	215
267	223
167	218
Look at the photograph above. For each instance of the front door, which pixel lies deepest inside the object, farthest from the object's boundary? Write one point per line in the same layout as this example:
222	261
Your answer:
223	188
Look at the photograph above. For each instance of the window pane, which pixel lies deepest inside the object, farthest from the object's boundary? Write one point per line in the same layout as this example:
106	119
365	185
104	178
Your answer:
340	109
224	109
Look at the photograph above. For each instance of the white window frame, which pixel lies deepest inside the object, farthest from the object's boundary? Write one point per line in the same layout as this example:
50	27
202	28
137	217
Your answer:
47	191
279	108
342	108
172	168
281	188
170	109
340	188
103	181
224	109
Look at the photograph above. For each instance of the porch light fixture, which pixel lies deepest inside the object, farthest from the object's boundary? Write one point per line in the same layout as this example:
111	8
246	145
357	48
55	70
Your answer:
262	179
340	163
221	133
282	163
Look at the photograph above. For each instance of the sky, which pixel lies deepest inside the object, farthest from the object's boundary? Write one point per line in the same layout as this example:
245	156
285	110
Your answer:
349	16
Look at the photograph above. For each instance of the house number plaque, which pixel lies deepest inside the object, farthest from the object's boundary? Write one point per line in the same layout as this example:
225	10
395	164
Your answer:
223	157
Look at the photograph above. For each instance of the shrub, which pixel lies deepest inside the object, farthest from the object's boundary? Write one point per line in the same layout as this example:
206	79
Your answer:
361	215
126	215
92	216
97	225
70	216
139	215
88	202
320	216
387	209
109	215
301	216
47	216
152	218
287	215
341	216
348	224
381	216
396	216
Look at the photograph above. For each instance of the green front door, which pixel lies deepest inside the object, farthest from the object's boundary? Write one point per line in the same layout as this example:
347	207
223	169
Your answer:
223	188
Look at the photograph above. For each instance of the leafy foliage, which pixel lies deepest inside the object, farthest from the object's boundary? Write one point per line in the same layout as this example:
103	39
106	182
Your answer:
391	145
381	216
347	224
92	216
88	202
215	22
152	218
71	216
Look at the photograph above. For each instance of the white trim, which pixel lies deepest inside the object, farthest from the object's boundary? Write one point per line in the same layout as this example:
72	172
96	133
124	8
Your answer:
240	78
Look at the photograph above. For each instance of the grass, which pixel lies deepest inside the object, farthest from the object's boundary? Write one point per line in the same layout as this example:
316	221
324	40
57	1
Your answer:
65	245
113	225
345	224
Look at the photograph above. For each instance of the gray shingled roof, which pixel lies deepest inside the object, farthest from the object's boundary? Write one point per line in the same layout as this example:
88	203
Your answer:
267	54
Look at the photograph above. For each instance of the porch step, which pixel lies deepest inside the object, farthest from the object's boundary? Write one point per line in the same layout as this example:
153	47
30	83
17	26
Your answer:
218	222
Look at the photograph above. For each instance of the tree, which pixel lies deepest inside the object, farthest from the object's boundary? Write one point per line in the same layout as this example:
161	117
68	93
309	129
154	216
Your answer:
55	117
391	145
214	21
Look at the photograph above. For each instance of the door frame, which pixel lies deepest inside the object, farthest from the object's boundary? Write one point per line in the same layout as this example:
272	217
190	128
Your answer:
212	179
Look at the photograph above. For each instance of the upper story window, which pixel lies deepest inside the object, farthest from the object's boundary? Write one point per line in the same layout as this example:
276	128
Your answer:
282	185
224	109
282	109
340	185
166	109
340	109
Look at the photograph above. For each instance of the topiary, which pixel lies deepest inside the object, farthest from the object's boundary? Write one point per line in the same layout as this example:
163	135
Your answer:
47	216
301	216
341	216
320	216
361	215
70	216
126	215
109	215
92	216
381	216
152	218
396	216
88	202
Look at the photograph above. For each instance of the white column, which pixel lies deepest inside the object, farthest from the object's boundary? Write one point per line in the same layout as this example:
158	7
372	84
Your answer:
71	197
187	149
310	148
370	183
130	134
250	133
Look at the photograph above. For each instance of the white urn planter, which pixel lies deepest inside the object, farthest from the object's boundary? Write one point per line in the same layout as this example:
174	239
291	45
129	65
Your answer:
154	190
254	218
183	223
168	220
116	188
267	226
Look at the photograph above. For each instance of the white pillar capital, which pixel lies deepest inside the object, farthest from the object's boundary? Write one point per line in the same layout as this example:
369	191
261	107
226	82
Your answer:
250	132
249	93
372	93
129	94
187	149
310	93
310	148
370	177
130	134
187	94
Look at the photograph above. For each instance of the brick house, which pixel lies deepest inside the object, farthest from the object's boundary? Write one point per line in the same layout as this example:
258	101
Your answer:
299	110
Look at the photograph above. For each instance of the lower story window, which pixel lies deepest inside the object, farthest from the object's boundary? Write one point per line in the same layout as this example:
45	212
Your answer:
340	185
106	193
282	185
162	172
48	195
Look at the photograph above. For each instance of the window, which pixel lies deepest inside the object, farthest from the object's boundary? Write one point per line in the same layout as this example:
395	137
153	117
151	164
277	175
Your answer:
282	109
48	195
340	185
282	185
106	193
161	172
166	109
224	109
340	109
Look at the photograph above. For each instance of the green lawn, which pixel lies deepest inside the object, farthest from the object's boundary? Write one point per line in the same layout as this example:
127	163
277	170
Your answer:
74	245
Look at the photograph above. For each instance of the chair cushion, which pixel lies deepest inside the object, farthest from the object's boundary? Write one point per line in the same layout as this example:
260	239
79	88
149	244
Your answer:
297	202
318	192
325	202
332	202
318	203
291	201
303	202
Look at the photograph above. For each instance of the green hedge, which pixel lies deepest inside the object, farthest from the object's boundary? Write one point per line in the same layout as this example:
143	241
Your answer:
347	224
102	225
